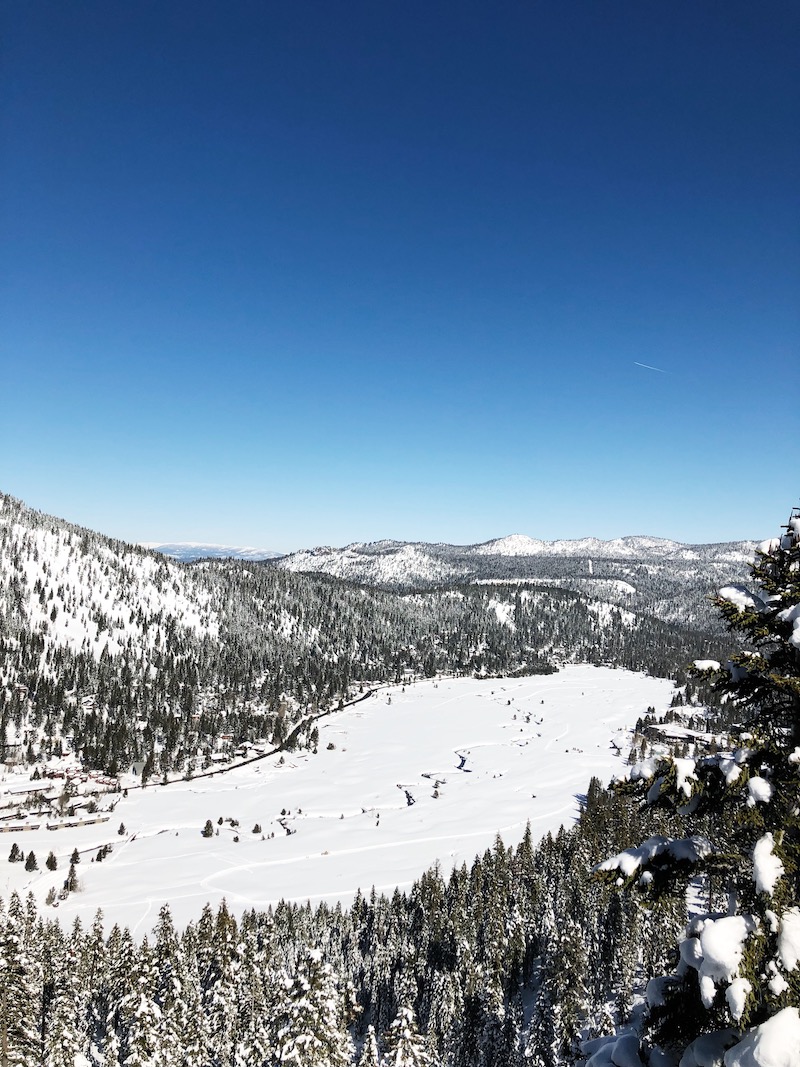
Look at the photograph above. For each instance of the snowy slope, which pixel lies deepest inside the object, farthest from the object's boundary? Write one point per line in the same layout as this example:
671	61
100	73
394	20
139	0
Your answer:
76	590
404	562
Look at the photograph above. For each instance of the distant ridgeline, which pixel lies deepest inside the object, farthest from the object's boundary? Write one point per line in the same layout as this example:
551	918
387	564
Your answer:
650	575
136	657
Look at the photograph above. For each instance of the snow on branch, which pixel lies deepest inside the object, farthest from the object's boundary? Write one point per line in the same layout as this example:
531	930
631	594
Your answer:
742	598
681	850
767	867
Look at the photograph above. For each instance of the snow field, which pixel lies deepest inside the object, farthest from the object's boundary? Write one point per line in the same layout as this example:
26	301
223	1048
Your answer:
404	779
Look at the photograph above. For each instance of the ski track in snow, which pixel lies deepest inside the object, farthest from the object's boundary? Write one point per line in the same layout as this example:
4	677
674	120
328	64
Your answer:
530	746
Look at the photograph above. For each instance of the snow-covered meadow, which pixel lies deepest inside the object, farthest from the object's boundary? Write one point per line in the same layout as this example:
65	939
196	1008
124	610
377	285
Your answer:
408	777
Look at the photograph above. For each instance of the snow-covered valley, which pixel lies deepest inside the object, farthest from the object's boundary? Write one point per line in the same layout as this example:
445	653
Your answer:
432	771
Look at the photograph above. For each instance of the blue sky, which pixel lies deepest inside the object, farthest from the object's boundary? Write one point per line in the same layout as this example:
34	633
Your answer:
295	273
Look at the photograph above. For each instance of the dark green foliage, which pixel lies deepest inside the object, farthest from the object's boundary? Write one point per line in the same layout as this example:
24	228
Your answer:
743	806
71	884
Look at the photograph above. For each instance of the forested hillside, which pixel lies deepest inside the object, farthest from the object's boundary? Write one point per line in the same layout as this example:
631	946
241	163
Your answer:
650	575
137	657
502	963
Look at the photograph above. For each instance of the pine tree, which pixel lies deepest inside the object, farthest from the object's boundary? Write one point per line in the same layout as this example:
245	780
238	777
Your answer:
405	1046
20	994
737	984
142	1017
310	1028
65	1043
369	1056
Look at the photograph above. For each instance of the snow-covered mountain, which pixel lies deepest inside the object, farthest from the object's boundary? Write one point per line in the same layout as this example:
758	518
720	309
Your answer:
618	548
190	551
408	562
139	656
655	575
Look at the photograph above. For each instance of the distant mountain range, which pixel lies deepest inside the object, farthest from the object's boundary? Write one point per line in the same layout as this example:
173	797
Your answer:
190	551
392	562
655	575
659	577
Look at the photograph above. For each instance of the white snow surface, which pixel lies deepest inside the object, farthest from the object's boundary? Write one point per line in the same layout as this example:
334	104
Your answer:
736	996
767	867
708	1049
612	1051
789	938
775	1043
760	790
617	548
742	597
792	615
707	664
498	752
715	948
722	944
691	849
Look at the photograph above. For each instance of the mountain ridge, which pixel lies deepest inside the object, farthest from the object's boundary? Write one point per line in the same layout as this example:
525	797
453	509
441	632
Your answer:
191	551
667	578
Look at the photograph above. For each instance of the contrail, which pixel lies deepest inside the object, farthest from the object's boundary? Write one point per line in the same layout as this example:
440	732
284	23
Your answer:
648	367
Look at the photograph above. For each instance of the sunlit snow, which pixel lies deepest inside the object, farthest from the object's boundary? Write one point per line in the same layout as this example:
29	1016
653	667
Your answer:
400	781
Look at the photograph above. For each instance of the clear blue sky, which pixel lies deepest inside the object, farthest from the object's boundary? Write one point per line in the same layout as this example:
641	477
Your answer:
315	271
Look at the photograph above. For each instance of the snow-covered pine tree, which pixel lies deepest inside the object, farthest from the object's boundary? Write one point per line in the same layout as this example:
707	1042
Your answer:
405	1045
369	1056
20	993
561	1000
310	1030
142	1015
65	1040
735	993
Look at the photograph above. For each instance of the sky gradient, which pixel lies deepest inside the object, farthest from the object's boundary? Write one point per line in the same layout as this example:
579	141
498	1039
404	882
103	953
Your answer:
296	273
